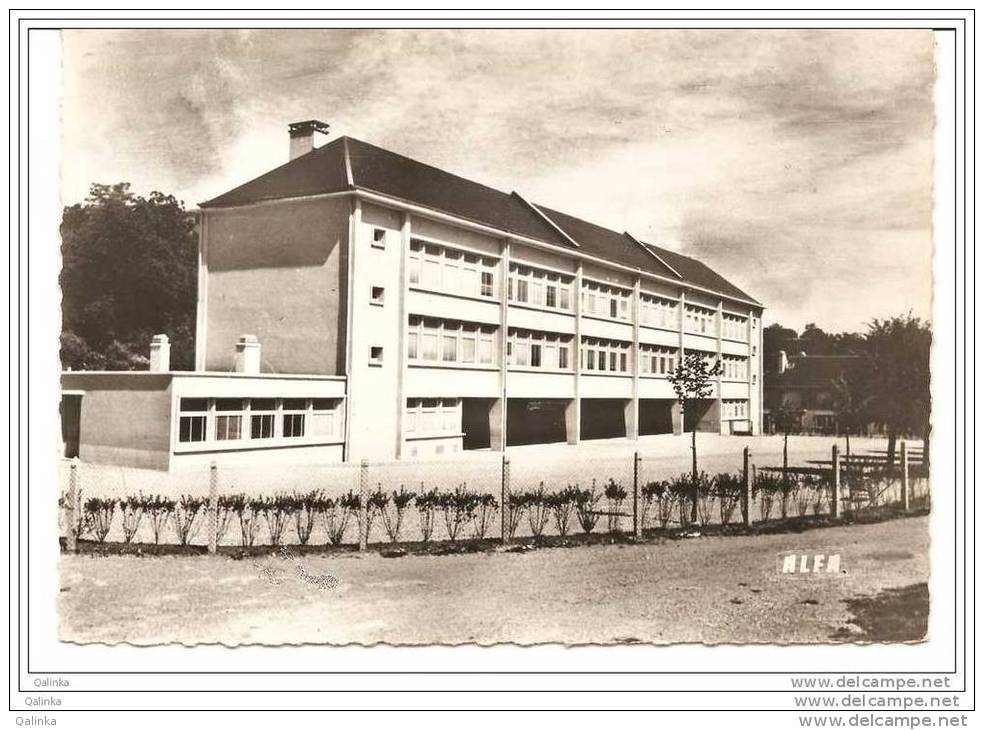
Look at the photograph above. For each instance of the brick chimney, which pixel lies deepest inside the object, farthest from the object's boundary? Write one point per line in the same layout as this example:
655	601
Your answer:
248	355
302	136
160	354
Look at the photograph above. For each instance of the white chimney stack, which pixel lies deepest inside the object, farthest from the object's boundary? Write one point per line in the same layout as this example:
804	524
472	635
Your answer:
783	362
302	136
248	355
160	354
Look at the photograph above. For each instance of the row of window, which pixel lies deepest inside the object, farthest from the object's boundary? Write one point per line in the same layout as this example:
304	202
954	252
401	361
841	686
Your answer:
538	350
659	312
734	367
734	327
604	355
432	417
540	288
700	321
450	270
238	419
734	409
654	360
604	301
435	340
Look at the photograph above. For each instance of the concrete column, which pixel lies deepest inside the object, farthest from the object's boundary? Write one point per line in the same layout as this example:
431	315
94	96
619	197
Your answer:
497	431
676	413
160	354
572	421
401	313
720	358
497	425
572	415
632	419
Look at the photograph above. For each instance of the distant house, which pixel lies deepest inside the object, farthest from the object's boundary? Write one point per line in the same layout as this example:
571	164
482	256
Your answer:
805	382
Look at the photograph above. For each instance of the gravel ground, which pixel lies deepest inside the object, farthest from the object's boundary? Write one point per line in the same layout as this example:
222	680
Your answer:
711	589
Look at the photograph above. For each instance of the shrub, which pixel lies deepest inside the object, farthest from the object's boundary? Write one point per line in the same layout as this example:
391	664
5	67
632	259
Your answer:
517	506
335	518
537	510
821	494
375	505
585	501
705	489
225	512
131	510
615	494
185	517
728	487
305	509
766	487
276	511
427	505
803	494
787	487
660	496
486	507
457	507
393	518
248	511
99	516
561	505
158	509
682	488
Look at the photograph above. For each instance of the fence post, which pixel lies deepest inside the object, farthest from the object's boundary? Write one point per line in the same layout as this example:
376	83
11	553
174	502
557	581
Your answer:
70	508
504	503
746	487
636	522
905	478
213	508
835	506
364	504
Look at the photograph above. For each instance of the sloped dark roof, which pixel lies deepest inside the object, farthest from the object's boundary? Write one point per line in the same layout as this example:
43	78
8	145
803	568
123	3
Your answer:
607	244
326	170
699	273
317	172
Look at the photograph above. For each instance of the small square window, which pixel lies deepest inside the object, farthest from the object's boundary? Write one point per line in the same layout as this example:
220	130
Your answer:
375	355
379	237
376	295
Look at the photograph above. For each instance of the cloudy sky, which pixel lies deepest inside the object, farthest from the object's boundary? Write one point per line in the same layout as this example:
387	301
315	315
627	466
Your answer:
798	164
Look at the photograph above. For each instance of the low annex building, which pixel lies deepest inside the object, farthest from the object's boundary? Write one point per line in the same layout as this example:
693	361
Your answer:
395	310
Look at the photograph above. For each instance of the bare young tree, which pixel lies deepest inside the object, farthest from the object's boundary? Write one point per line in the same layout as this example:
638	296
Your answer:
693	380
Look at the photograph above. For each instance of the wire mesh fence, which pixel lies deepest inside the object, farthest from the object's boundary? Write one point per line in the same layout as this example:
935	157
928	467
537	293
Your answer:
487	497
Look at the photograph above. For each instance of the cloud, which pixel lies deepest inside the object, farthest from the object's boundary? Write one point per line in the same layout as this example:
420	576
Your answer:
797	163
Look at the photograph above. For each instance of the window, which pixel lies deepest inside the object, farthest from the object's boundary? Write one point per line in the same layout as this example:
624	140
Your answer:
261	426
604	355
379	237
325	417
375	355
451	270
376	295
293	425
535	352
429	417
228	419
449	341
450	351
601	300
540	288
191	428
562	358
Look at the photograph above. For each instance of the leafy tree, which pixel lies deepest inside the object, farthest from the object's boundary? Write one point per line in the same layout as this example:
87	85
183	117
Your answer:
897	376
129	271
692	380
850	404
